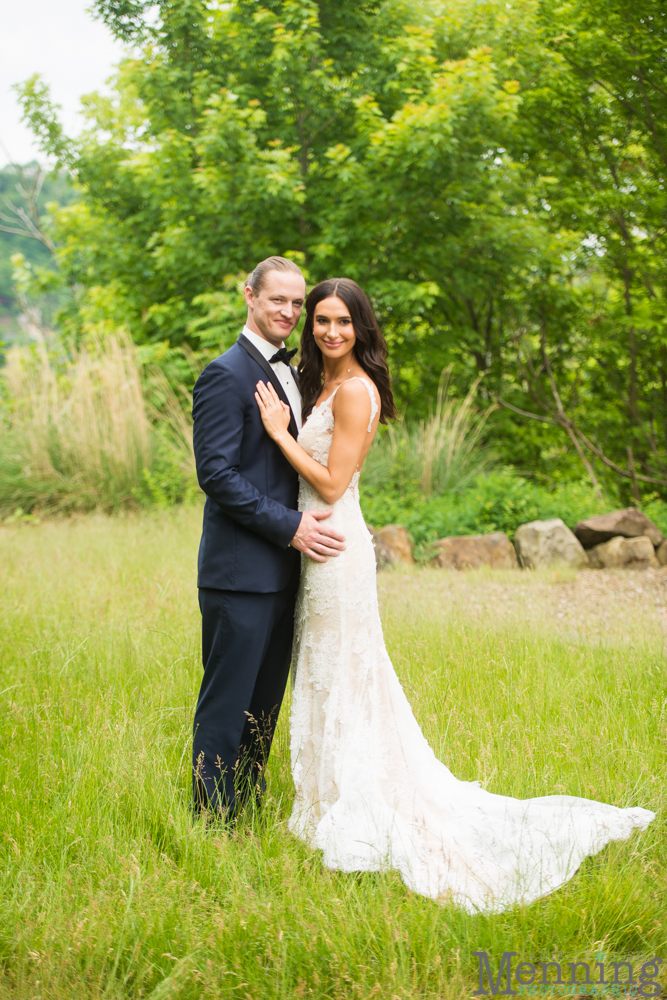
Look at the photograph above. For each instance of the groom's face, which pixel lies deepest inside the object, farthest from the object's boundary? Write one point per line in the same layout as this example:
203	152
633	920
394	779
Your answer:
275	310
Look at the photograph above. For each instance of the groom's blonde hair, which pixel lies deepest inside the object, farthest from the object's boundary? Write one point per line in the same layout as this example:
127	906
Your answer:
257	277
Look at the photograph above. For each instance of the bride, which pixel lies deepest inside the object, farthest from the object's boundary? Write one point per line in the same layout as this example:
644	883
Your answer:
370	792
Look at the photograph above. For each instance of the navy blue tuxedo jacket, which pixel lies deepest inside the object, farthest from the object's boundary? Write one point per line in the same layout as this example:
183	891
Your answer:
250	516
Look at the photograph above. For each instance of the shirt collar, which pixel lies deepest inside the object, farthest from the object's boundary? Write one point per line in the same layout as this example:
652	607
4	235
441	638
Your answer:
263	346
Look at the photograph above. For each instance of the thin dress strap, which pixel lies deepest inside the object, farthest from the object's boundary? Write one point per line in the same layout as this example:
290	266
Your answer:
374	406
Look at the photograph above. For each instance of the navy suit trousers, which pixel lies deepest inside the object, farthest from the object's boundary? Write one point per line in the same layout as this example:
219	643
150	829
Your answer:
246	652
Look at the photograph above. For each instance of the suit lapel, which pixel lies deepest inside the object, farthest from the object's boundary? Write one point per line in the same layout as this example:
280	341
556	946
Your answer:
272	377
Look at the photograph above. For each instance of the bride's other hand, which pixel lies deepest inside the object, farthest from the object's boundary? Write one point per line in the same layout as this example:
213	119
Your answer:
274	413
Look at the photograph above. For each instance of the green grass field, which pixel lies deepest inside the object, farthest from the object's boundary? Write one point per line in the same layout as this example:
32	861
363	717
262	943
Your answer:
109	890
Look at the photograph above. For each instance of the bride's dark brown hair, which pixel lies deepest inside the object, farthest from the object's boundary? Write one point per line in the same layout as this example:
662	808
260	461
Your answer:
370	348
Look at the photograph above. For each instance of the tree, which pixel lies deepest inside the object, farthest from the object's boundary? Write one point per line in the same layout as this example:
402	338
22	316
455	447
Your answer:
25	193
337	132
592	124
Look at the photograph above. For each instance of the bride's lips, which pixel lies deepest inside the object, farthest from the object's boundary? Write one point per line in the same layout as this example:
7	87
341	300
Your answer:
333	346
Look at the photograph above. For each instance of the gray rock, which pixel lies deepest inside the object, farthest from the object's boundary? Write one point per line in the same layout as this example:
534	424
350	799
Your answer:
548	543
661	553
629	523
393	545
474	551
624	553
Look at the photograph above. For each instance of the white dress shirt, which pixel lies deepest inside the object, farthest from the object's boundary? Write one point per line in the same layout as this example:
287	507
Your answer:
282	371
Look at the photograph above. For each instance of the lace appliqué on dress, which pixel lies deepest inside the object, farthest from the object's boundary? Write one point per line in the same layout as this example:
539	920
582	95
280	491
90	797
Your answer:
370	792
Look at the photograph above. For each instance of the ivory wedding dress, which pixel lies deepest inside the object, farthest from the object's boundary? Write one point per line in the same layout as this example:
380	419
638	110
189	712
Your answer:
370	792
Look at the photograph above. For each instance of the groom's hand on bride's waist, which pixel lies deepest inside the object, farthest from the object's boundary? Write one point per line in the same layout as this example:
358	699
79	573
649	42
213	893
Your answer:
316	539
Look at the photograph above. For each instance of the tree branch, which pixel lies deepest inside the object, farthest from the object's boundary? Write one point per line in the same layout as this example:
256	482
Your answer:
525	413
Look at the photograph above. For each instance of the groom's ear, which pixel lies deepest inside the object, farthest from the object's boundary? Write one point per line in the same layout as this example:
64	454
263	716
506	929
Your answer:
247	292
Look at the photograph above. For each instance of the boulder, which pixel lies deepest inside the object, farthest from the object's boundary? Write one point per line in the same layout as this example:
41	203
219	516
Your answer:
547	543
392	545
474	551
624	553
661	553
629	523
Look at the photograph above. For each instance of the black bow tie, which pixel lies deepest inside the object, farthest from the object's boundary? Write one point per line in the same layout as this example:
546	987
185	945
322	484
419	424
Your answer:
283	355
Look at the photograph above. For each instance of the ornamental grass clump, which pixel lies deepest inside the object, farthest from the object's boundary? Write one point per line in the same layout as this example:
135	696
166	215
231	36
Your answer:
442	454
79	431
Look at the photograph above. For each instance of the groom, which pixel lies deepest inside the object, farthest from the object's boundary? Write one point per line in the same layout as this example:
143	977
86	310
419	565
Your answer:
249	552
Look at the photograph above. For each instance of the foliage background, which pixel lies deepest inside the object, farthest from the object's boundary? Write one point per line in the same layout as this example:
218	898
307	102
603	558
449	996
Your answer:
492	173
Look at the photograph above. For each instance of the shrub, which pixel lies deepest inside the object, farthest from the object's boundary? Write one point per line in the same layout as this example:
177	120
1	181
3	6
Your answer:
498	501
437	479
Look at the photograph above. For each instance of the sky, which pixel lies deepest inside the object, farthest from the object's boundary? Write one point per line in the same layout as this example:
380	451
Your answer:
58	39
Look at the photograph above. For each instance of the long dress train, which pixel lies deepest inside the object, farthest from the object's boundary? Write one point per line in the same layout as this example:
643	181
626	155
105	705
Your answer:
370	792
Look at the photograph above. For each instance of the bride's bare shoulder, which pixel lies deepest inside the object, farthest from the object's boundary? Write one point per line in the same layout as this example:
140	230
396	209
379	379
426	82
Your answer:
353	399
357	388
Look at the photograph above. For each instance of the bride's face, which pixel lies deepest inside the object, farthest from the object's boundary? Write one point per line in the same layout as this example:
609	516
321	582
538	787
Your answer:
333	329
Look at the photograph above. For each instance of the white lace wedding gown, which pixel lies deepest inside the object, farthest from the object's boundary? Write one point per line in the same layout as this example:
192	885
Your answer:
370	792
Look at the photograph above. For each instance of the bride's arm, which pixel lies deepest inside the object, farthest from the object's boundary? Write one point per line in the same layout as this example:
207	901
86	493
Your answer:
353	410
